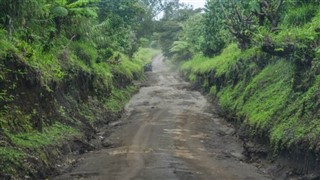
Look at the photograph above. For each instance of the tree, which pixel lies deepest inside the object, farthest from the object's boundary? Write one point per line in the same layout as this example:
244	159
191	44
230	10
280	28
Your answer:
171	25
268	10
239	20
213	25
66	12
190	39
120	20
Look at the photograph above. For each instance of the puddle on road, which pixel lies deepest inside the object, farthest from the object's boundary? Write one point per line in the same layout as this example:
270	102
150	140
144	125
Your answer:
175	131
200	136
126	151
183	153
81	175
179	139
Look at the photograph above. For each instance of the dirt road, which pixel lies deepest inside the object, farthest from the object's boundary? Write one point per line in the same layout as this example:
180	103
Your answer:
168	132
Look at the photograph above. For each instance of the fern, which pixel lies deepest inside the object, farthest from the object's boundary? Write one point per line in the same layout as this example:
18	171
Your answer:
81	3
79	7
59	11
179	46
87	12
61	2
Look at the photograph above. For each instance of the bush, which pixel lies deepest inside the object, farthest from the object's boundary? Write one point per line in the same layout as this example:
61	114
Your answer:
85	52
299	16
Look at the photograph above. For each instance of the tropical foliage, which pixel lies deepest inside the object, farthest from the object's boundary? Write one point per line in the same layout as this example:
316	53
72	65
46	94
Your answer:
66	66
260	58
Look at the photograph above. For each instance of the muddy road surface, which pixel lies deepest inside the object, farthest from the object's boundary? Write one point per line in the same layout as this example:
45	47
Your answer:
168	132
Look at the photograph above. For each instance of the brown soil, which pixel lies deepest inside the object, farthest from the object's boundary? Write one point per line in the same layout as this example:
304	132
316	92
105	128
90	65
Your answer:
168	132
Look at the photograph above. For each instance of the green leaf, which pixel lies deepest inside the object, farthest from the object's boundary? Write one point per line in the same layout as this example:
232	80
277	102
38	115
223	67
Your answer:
59	11
61	2
179	46
279	49
81	3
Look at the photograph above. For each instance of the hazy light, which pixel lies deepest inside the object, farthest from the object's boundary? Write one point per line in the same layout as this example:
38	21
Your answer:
195	3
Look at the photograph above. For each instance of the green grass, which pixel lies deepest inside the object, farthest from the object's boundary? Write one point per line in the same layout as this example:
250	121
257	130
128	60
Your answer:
298	36
48	64
229	95
85	51
32	144
51	135
59	65
5	44
126	67
299	16
299	121
13	119
265	96
119	98
133	67
103	72
11	160
221	63
145	55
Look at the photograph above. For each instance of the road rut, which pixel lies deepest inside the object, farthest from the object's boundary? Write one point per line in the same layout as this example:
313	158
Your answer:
168	132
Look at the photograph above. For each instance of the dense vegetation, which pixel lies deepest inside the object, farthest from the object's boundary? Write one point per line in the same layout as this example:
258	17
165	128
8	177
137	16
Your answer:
261	59
66	67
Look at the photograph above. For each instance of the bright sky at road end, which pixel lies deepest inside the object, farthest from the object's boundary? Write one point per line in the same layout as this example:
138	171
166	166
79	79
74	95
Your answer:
195	3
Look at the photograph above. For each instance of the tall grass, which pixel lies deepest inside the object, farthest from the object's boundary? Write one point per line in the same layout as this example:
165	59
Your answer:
200	64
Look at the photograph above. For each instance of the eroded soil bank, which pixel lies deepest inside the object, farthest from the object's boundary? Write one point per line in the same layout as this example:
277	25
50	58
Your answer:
167	132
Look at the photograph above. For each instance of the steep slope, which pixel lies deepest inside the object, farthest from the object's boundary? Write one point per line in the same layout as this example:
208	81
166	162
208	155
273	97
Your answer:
52	103
271	91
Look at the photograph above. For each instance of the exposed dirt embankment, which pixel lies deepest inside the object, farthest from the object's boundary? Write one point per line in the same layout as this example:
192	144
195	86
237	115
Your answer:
42	122
33	110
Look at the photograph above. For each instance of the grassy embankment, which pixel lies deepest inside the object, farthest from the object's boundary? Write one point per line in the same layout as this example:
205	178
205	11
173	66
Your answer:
277	94
49	98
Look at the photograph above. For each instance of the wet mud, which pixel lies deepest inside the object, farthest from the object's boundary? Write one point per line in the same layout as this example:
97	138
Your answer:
167	132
